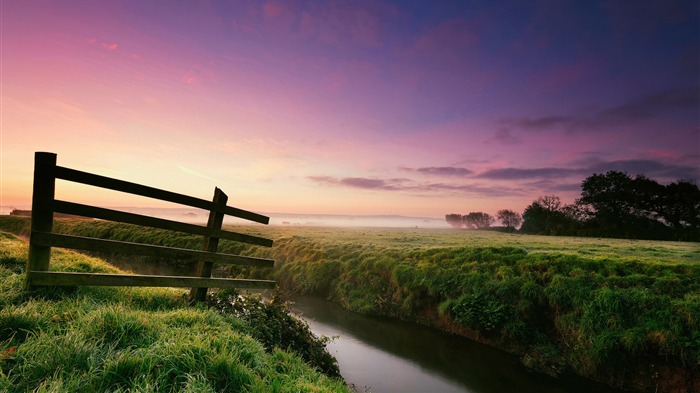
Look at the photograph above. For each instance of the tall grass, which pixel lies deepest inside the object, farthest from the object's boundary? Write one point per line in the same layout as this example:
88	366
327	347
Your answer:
615	310
133	339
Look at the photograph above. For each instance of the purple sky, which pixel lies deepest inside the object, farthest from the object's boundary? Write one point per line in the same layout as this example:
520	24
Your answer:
357	107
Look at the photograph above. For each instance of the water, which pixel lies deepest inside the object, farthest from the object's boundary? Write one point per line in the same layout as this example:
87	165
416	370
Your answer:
382	355
386	356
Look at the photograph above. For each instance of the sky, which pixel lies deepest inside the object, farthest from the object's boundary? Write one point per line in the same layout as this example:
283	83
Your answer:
416	108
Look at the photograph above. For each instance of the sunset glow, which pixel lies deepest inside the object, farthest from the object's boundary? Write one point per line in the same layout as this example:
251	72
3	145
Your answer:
414	108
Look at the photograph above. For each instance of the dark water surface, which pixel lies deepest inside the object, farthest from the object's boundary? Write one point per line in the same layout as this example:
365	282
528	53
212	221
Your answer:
386	355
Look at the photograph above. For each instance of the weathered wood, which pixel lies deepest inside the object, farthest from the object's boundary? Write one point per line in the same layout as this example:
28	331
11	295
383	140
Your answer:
151	192
137	219
94	279
42	208
42	239
209	244
117	247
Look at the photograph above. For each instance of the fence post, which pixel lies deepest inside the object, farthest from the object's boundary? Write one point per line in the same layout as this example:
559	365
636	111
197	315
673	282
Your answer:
44	190
211	242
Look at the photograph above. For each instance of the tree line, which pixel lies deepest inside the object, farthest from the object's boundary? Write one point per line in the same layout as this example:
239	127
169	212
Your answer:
481	220
613	204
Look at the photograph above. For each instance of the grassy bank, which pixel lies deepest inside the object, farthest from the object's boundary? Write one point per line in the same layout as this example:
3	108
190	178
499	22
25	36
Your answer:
146	340
623	312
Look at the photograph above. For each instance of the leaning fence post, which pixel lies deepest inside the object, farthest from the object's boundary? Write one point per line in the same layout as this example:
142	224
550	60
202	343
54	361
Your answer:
42	209
211	241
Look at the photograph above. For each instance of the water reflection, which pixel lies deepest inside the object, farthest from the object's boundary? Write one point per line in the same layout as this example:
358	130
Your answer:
392	356
388	356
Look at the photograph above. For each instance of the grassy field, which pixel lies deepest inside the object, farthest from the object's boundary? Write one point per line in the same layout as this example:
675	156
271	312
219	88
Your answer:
624	312
417	239
146	340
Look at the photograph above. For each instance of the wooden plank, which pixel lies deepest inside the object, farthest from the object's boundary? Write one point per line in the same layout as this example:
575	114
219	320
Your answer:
151	192
137	219
117	247
42	208
210	243
127	280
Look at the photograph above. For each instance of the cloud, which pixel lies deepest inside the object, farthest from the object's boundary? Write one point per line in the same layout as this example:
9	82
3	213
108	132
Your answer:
473	189
546	122
359	182
651	168
550	186
639	108
523	173
505	137
441	171
410	186
653	105
110	46
510	181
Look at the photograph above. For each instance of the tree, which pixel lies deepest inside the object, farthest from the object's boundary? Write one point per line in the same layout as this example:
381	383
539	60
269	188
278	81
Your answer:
455	220
623	206
550	203
547	216
681	205
509	218
478	220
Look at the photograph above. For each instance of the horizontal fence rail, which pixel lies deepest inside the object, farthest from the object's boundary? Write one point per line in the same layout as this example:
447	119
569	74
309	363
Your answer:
153	222
155	193
95	279
42	237
127	248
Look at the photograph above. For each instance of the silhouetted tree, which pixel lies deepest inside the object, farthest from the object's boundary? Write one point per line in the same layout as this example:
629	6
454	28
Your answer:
547	216
681	205
509	218
550	203
478	220
615	204
623	206
455	220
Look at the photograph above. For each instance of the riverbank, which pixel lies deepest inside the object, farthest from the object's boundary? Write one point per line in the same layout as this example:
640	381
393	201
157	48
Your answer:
629	322
135	339
621	312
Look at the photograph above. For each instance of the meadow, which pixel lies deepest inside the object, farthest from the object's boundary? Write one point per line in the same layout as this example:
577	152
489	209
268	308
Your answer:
147	340
624	312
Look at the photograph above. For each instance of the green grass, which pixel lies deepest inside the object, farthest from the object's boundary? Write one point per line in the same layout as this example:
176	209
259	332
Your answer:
605	308
134	339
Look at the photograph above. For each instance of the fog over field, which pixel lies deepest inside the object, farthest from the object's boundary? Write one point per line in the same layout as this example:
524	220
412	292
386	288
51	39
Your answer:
285	219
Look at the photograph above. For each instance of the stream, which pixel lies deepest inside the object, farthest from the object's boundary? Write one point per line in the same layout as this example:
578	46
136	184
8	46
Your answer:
383	355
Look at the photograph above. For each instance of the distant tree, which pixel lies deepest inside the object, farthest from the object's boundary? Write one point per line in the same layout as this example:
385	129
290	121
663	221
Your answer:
509	218
623	206
615	204
547	216
455	220
478	220
550	203
681	205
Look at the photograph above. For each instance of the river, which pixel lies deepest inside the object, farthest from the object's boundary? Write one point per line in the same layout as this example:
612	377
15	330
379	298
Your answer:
382	355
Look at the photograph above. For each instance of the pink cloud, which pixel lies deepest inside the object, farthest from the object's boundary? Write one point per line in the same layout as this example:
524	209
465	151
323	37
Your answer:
110	47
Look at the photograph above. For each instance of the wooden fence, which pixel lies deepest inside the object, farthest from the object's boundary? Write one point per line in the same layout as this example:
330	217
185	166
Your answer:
44	205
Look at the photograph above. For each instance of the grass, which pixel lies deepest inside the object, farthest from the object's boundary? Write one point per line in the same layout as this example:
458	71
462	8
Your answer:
620	311
133	339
